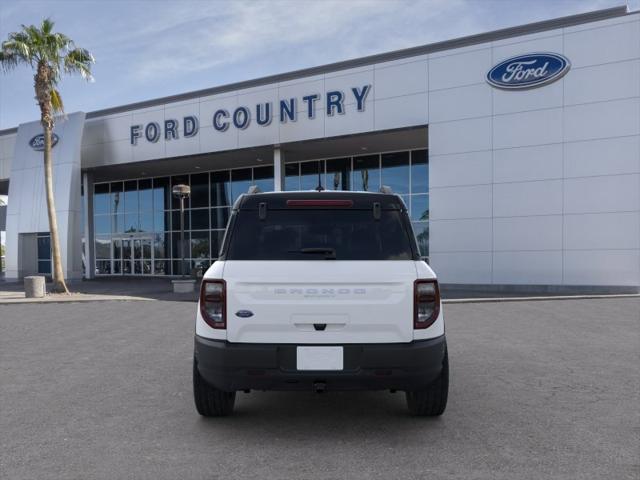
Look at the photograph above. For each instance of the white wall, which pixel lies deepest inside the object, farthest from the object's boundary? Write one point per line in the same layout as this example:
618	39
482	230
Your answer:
398	98
27	208
7	145
538	186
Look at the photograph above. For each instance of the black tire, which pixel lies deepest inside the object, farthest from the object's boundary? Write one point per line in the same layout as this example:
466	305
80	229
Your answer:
431	401
211	402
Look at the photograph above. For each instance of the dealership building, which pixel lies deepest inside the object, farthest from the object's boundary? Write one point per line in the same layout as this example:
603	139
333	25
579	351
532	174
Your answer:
516	152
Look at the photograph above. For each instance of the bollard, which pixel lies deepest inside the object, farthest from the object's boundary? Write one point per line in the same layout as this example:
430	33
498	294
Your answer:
34	287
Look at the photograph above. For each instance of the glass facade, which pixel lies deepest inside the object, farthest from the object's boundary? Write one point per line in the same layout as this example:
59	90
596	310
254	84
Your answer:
406	172
137	222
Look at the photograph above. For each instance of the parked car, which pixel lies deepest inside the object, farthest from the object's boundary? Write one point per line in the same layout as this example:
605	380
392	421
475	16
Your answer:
320	291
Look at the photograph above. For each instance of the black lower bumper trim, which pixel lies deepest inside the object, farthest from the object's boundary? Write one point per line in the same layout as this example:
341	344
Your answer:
396	366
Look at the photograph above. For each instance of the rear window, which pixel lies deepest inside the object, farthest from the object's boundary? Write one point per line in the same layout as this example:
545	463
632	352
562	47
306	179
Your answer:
316	234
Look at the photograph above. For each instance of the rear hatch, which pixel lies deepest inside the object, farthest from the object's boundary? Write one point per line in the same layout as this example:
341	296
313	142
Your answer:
312	272
320	301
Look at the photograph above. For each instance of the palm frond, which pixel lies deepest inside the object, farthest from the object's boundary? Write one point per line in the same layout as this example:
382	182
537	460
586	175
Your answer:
19	45
56	101
8	60
79	60
33	37
47	26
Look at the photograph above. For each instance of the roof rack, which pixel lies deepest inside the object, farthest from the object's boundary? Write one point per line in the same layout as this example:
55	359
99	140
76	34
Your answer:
386	189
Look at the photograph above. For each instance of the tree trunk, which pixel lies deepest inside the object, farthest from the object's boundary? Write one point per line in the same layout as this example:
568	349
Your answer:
59	284
43	95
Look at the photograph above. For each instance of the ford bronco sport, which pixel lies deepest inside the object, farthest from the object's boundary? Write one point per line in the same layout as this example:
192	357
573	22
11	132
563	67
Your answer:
320	291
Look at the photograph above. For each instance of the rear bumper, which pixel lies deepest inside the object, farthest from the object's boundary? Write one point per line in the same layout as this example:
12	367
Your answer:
397	366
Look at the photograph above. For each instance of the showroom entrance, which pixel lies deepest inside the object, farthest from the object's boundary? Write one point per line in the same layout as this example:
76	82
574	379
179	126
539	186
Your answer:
133	256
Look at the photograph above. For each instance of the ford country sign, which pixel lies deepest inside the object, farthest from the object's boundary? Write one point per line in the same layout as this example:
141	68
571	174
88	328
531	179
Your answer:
285	110
37	142
528	71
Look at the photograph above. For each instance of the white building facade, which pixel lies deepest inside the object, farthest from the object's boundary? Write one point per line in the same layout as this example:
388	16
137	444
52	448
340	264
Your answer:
517	153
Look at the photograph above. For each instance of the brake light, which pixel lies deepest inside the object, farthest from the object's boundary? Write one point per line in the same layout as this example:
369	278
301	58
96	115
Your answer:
213	303
319	203
426	304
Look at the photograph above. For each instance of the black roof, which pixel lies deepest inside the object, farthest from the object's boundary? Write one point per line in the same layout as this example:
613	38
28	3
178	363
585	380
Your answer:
278	200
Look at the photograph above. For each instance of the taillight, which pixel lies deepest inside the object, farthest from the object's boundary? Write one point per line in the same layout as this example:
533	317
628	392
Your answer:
426	303
213	303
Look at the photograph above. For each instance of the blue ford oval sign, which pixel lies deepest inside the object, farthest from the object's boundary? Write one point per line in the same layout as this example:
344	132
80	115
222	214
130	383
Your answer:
528	71
244	313
37	142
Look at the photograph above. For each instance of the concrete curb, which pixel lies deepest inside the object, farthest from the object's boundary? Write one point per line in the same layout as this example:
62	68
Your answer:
74	299
536	299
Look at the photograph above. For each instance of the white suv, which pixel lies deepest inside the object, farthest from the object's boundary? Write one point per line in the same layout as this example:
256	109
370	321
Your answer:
320	291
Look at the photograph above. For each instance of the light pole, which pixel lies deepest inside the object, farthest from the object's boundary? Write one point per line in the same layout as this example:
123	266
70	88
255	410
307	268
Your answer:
182	192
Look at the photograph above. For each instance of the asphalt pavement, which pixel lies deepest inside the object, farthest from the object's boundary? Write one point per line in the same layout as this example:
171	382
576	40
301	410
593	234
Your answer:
543	389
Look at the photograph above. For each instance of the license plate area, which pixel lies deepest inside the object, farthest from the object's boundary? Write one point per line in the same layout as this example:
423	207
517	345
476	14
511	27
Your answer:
320	358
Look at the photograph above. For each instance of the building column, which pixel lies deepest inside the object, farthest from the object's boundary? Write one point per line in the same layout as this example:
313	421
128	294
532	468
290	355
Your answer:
87	212
278	169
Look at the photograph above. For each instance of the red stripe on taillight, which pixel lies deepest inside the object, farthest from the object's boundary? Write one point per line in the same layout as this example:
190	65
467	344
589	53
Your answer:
220	298
433	298
319	203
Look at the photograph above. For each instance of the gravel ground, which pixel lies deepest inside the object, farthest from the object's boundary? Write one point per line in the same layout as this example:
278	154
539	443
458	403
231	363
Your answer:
544	389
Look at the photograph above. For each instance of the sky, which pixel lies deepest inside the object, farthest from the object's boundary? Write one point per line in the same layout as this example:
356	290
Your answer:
146	49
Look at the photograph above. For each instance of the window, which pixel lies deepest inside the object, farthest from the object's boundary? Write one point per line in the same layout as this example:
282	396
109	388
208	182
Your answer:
420	207
161	194
292	176
200	190
145	195
395	171
311	174
240	182
421	229
102	224
175	220
200	219
200	245
145	209
263	178
44	253
117	199
314	234
219	217
103	247
220	189
339	174
161	221
101	198
419	171
216	242
131	196
366	173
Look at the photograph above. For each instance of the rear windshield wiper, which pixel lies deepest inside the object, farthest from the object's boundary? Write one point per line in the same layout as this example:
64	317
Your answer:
329	253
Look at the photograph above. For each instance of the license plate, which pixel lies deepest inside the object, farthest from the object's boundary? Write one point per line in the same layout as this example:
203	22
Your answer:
320	358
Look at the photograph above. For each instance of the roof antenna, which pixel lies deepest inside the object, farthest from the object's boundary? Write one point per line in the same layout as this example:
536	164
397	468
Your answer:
319	188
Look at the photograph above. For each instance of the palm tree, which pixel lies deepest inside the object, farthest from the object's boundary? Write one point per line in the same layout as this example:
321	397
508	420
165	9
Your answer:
50	55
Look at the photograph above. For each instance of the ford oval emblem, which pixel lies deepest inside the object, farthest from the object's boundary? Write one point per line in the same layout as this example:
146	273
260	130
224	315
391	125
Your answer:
37	142
244	313
528	71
